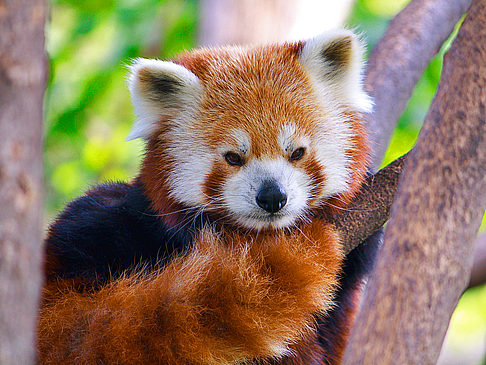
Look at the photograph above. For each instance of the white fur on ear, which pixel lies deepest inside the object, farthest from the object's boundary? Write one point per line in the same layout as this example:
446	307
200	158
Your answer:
334	61
161	90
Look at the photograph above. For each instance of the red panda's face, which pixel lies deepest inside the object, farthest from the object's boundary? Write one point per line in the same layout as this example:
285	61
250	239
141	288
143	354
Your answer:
260	137
267	181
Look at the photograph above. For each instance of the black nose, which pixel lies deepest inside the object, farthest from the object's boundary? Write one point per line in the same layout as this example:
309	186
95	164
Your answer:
271	197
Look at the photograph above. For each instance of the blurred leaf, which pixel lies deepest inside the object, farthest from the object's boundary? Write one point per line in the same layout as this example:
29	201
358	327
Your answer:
96	154
86	6
369	23
386	8
67	178
402	141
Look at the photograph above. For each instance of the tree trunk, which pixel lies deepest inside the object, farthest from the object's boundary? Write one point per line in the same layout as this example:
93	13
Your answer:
22	83
399	59
426	259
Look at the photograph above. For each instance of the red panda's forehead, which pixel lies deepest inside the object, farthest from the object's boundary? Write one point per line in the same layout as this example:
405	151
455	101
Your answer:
258	91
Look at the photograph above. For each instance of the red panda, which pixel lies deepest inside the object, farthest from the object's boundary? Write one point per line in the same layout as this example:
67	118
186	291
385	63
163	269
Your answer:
219	252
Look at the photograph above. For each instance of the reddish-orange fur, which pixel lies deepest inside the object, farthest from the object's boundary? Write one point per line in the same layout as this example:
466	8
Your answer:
359	157
225	301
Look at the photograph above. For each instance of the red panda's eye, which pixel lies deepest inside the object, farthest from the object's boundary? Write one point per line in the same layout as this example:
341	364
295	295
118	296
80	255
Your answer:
297	154
234	159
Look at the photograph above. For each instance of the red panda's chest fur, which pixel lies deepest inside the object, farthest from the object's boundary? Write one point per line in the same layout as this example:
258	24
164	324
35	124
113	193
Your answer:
259	289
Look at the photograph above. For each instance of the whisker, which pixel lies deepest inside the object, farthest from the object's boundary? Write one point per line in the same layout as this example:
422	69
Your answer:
350	210
305	236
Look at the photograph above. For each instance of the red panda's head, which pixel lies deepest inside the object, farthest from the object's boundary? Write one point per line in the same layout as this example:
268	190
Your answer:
258	136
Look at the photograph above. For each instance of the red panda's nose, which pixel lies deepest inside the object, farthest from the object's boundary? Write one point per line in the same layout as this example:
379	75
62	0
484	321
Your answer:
271	197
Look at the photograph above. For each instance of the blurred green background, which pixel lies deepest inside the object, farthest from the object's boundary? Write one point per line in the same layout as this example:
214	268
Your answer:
89	115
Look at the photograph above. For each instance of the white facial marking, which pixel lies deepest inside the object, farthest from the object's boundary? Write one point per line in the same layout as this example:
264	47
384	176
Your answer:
238	141
289	140
331	142
194	160
286	137
174	93
240	193
338	91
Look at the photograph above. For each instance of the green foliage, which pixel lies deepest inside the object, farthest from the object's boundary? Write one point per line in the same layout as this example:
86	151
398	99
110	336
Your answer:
467	329
88	111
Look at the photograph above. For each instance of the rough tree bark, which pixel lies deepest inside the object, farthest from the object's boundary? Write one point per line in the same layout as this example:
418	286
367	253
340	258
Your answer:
425	263
398	60
22	83
413	38
370	209
392	83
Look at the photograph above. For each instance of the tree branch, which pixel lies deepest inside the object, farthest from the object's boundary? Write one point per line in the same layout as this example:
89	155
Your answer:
425	262
395	65
399	59
371	207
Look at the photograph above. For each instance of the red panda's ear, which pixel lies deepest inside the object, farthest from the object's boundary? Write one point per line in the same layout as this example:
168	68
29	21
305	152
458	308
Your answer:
161	91
335	62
